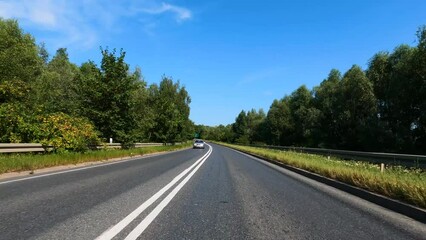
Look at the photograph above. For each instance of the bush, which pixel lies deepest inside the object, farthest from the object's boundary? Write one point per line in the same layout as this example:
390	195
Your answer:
59	130
16	125
64	132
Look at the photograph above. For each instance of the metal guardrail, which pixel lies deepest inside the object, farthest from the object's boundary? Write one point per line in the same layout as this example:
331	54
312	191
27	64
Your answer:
407	160
37	147
20	147
137	145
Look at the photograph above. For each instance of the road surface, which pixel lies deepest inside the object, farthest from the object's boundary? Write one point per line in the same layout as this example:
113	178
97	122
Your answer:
212	193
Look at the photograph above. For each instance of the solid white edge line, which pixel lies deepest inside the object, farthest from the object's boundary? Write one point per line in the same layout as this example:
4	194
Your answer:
113	231
84	168
138	230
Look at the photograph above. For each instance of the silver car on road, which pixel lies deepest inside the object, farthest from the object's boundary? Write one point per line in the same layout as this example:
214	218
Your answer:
198	144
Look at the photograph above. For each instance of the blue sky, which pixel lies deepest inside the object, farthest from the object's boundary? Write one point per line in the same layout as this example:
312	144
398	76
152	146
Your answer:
230	55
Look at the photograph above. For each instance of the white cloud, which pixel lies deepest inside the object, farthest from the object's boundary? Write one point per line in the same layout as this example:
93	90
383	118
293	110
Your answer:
181	13
40	12
82	23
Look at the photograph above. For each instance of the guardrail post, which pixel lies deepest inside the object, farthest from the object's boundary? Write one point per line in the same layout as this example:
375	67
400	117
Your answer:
382	167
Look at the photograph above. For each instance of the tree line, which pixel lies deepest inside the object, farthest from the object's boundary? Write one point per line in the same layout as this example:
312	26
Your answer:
48	99
380	109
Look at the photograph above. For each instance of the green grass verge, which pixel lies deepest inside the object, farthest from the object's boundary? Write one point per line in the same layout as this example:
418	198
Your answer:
25	162
407	185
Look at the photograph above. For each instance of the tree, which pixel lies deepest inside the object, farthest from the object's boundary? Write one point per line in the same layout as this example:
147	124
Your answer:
379	73
240	129
117	101
358	109
19	62
143	112
106	97
217	133
171	114
43	53
279	122
226	133
56	88
18	53
19	66
305	117
255	126
397	82
91	91
17	124
419	62
326	101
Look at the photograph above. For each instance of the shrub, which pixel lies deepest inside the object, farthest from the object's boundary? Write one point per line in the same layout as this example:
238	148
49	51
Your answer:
64	132
16	125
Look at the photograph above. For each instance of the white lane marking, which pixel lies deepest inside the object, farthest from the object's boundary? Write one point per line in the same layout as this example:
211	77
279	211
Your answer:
138	230
84	168
113	231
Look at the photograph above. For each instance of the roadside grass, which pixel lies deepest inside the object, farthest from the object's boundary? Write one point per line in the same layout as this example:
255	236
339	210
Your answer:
407	185
29	161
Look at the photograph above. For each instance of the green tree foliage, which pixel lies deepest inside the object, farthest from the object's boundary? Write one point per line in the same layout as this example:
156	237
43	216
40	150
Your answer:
143	113
19	66
218	133
106	96
56	88
19	62
279	122
16	124
122	107
240	129
27	86
171	116
255	126
13	91
398	80
19	59
90	90
57	103
357	110
248	127
304	116
326	100
420	74
378	73
403	97
43	53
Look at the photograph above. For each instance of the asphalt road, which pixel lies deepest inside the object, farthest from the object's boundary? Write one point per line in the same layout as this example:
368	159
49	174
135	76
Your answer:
212	193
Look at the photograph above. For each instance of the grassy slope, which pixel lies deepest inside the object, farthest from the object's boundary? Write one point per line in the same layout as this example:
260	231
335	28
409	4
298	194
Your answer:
24	162
397	183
